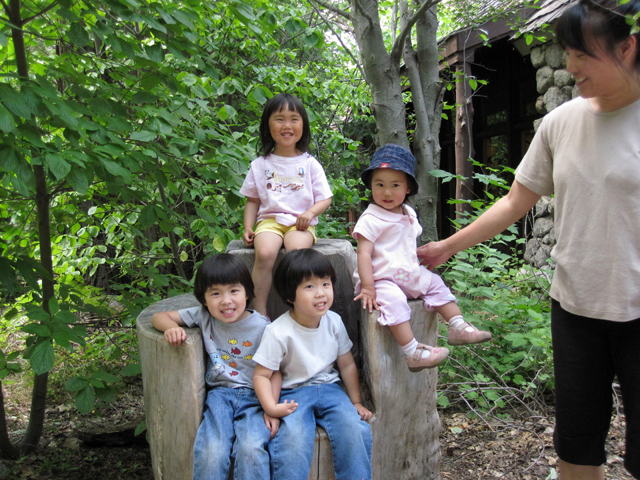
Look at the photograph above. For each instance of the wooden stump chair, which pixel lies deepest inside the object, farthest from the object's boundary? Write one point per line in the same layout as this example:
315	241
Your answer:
405	425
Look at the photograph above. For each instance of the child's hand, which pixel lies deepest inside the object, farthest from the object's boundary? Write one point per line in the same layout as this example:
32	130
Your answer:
175	336
304	220
273	424
368	297
248	236
365	414
283	409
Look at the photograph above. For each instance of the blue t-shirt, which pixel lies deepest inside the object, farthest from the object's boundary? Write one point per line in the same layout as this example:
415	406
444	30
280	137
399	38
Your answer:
229	346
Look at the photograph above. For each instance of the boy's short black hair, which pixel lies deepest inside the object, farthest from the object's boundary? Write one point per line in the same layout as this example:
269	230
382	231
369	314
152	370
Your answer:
298	266
222	269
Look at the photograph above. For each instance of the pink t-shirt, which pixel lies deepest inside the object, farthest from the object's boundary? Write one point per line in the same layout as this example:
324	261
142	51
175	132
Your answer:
393	236
286	186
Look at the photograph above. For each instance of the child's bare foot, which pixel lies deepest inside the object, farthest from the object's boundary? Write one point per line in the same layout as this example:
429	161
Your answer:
417	361
467	334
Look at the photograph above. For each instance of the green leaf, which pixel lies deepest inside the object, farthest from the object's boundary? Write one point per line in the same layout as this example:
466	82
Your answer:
242	11
292	26
37	329
65	316
9	159
76	384
182	18
85	399
155	53
58	165
115	169
258	94
143	136
131	370
7	275
54	307
15	101
42	358
105	377
144	97
78	181
142	426
37	314
7	123
78	35
106	394
147	217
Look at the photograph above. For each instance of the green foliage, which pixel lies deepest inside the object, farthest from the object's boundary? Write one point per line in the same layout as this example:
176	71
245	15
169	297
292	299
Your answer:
143	118
497	292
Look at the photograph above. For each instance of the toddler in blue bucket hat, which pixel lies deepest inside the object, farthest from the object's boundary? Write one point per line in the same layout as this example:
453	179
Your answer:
389	271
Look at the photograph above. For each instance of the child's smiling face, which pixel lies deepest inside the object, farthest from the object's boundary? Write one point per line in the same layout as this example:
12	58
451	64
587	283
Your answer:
227	303
286	130
314	297
389	188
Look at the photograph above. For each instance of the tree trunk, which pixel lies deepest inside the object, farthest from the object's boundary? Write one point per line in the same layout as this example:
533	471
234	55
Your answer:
383	76
39	394
464	141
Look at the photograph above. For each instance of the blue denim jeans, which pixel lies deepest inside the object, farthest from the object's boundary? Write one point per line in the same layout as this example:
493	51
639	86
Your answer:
232	427
350	436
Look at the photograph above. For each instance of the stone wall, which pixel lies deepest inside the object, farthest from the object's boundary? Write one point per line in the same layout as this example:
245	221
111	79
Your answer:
555	86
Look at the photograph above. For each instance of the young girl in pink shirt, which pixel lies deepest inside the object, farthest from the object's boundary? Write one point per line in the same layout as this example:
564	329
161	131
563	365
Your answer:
388	268
286	190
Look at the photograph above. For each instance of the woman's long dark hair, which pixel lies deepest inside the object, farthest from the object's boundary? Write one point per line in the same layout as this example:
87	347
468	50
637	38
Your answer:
589	23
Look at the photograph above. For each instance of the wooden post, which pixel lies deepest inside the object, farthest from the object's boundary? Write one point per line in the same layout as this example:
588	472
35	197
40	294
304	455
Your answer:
174	393
406	424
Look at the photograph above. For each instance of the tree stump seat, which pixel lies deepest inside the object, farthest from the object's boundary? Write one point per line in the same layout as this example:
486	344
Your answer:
405	425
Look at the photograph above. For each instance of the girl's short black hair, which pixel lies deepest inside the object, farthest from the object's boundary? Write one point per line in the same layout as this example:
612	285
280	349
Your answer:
588	23
283	101
222	269
298	266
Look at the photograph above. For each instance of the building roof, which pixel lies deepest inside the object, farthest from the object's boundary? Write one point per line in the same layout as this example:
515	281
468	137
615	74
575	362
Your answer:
545	15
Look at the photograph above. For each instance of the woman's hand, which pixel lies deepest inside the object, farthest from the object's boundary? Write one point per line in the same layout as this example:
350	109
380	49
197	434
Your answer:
433	254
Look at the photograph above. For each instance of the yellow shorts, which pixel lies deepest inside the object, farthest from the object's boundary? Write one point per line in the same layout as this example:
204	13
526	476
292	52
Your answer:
270	225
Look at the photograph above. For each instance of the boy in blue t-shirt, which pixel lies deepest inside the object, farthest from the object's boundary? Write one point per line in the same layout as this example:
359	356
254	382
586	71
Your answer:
234	422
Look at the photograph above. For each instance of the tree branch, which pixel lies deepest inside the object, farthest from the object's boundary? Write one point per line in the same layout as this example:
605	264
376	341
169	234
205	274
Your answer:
396	51
334	9
372	24
41	12
335	34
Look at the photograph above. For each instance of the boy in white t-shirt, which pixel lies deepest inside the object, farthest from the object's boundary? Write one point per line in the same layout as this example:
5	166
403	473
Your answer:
304	344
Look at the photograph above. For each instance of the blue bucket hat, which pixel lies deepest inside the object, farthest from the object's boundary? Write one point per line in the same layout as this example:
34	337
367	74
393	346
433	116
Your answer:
393	157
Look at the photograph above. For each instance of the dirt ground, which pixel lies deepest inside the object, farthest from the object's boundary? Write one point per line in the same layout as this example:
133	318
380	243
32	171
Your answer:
471	450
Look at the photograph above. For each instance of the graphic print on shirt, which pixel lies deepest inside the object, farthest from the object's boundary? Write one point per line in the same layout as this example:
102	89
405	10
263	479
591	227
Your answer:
277	182
402	276
217	368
